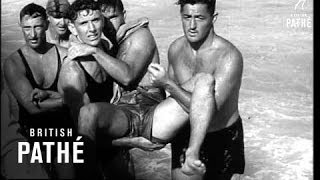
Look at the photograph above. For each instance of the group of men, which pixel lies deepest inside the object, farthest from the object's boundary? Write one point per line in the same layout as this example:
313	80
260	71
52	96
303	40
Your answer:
100	75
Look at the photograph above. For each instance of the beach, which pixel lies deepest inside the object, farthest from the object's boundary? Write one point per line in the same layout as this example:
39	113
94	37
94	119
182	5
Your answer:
276	95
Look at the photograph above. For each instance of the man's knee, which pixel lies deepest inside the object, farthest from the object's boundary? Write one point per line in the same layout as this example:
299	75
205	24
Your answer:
87	116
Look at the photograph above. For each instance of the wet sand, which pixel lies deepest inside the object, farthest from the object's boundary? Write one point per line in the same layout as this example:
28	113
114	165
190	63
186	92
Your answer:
276	93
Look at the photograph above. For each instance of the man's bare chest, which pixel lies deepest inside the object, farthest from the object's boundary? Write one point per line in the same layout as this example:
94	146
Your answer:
187	67
92	70
44	70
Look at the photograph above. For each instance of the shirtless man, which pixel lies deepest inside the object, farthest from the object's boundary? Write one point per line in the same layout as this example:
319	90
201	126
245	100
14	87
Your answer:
204	78
58	32
31	74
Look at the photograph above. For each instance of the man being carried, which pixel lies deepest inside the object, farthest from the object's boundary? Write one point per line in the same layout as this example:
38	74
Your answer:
58	32
31	73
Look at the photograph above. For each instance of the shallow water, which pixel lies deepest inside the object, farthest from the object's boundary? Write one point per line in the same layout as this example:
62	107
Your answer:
277	86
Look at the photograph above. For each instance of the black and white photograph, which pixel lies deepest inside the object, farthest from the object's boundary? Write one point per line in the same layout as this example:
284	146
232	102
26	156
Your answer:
157	89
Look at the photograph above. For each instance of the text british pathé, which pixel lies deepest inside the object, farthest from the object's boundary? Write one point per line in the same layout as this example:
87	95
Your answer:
62	148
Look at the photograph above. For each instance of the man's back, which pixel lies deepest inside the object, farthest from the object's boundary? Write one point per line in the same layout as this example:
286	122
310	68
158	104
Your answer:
139	40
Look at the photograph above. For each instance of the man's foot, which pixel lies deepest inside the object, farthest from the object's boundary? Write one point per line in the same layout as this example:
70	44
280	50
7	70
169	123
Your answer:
137	142
237	177
192	166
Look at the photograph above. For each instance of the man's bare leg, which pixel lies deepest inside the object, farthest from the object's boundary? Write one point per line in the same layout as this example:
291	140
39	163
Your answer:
106	118
169	116
102	118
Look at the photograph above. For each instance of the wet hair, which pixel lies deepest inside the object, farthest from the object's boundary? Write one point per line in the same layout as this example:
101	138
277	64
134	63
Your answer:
80	5
116	4
33	10
57	8
211	4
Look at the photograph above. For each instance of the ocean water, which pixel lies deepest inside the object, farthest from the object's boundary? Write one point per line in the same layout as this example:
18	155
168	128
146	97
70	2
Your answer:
276	96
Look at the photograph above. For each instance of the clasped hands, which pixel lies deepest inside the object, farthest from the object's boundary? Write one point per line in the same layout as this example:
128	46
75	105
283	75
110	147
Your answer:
39	95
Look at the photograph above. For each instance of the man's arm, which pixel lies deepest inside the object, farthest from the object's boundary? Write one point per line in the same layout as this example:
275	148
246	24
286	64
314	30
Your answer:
46	99
72	85
131	64
21	88
181	93
228	78
209	98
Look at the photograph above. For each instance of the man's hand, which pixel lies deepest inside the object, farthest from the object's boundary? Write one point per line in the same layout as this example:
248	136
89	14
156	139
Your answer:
137	142
158	75
77	49
38	95
54	94
191	165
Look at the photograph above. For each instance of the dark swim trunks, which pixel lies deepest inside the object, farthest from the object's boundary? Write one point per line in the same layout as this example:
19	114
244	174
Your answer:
222	152
139	106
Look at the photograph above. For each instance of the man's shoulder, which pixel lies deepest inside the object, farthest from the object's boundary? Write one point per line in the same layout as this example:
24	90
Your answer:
13	66
70	71
13	61
126	30
228	49
141	34
177	44
229	54
62	50
70	66
140	39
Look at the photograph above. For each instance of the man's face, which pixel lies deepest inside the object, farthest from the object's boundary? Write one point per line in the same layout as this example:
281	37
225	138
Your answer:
60	25
34	30
196	21
88	26
115	18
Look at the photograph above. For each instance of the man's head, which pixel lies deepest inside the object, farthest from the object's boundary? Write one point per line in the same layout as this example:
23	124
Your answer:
86	21
211	4
57	15
33	21
197	18
114	13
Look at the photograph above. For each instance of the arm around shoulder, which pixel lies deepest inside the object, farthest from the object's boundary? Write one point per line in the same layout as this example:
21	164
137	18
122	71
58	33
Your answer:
139	51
